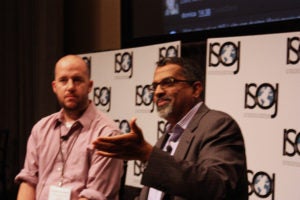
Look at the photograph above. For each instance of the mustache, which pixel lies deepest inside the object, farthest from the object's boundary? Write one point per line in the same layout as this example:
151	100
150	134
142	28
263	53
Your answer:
164	98
70	95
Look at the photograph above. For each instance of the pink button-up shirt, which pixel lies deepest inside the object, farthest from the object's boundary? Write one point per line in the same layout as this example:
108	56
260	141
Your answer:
72	161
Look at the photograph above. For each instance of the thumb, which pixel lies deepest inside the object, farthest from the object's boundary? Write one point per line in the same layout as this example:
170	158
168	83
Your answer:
135	129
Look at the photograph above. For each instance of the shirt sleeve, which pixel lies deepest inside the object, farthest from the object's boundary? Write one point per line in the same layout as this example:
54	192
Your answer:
29	173
104	178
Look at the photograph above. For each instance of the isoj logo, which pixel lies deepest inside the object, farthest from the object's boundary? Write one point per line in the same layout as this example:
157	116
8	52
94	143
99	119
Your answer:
161	128
291	142
170	51
102	98
293	51
88	61
143	98
138	168
123	125
264	97
261	184
124	65
226	55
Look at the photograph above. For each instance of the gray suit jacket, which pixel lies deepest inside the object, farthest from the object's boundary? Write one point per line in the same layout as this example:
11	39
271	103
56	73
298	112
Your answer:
209	162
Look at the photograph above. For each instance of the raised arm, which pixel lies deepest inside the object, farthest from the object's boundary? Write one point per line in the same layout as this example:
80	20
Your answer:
129	146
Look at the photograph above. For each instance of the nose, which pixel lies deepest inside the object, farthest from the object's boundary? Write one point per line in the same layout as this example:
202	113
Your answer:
70	84
158	92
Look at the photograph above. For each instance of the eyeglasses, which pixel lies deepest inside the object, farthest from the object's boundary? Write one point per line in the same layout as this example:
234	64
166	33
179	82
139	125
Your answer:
168	82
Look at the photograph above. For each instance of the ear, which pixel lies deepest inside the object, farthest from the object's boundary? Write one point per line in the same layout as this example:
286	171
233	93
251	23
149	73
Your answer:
53	86
198	88
91	83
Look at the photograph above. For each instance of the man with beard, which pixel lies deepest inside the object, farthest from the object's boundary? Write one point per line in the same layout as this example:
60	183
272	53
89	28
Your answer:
202	154
60	161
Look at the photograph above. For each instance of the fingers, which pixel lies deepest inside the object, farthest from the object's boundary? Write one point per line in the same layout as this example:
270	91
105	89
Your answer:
106	154
110	138
115	143
124	156
105	146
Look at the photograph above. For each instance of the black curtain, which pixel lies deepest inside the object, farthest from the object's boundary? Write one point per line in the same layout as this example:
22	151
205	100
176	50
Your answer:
31	41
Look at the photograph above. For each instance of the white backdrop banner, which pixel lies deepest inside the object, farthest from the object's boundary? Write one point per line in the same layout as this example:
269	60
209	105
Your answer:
121	90
256	79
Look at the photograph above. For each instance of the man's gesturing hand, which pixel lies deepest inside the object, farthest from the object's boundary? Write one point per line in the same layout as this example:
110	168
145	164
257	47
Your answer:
127	146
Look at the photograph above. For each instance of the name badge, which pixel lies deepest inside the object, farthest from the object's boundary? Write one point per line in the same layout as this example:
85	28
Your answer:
59	193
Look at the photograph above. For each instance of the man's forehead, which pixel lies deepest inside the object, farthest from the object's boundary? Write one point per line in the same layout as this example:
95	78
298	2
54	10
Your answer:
168	70
71	72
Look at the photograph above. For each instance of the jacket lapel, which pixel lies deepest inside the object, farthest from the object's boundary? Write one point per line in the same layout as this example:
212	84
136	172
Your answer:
188	134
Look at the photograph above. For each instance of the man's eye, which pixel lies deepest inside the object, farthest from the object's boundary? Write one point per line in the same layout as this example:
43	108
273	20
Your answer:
77	80
63	80
167	81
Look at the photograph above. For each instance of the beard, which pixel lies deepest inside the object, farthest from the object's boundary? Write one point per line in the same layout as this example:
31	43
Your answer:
165	111
74	106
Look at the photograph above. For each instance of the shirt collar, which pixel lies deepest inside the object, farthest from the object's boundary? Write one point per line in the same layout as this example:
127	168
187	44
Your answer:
183	123
85	120
180	126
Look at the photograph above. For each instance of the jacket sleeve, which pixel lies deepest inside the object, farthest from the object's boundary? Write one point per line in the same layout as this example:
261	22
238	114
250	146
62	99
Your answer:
213	166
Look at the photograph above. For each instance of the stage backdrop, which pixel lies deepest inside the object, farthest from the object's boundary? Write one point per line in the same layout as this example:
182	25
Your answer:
121	91
256	79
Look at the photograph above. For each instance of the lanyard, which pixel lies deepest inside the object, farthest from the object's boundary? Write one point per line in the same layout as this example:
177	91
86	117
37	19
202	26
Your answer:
65	157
